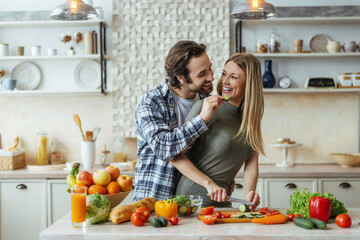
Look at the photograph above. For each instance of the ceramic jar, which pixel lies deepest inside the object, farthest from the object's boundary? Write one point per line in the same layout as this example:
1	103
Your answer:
349	46
333	47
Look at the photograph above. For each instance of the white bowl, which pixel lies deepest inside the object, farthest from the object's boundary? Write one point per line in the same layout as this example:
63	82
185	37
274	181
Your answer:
123	166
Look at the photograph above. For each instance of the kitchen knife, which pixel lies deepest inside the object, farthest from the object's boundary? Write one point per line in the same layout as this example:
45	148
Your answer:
232	199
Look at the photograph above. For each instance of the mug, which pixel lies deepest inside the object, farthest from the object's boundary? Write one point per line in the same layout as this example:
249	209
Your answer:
52	51
88	154
333	47
9	84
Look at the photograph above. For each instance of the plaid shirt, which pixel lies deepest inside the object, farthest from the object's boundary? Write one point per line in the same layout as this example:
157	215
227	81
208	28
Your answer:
159	141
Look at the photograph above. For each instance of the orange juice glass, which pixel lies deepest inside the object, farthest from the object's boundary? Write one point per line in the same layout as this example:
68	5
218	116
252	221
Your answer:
78	207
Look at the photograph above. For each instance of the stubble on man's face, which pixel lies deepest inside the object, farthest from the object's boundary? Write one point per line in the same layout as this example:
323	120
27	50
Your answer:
201	75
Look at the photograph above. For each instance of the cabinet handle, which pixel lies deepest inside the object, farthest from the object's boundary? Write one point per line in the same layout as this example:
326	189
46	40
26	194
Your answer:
344	185
21	186
238	185
290	186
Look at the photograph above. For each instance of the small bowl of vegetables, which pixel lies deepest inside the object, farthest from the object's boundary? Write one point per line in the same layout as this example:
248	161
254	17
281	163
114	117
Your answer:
188	205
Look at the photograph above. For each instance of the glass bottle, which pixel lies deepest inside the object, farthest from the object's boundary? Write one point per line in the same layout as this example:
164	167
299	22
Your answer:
268	76
56	155
274	42
42	155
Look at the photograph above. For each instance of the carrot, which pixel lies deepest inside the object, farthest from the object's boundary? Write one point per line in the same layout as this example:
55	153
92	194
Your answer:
274	219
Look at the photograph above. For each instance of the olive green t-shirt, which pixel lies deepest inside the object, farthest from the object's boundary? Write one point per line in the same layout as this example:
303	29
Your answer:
216	152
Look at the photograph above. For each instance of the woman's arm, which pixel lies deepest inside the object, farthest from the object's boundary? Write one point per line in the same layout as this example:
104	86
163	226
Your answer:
250	178
187	168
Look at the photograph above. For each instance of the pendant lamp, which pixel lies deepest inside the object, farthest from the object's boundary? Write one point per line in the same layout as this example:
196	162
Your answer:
74	10
254	10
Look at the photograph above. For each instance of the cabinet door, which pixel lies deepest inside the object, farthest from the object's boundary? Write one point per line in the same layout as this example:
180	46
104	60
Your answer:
278	190
345	190
22	208
239	191
58	200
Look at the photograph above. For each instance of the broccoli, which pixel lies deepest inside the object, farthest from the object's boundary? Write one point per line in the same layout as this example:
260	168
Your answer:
97	208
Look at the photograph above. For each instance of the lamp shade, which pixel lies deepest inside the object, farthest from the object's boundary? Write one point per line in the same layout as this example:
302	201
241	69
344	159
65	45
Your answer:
254	10
74	10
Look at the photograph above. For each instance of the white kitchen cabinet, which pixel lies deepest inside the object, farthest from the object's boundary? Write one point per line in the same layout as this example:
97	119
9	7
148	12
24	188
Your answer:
57	199
239	191
278	190
22	208
346	190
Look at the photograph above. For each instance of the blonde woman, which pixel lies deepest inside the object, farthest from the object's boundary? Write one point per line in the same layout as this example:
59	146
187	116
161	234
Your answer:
233	137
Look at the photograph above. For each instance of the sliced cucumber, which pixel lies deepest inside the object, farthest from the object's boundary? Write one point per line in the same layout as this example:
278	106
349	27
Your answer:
259	216
244	208
194	209
240	216
182	209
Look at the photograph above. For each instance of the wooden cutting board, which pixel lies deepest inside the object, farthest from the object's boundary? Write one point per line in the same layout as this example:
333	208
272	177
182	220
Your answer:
233	218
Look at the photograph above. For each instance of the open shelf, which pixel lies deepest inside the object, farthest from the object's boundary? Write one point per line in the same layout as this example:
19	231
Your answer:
306	55
39	93
57	57
50	23
304	20
302	90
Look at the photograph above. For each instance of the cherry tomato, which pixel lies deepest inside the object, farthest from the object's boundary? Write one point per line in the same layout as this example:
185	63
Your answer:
290	216
207	210
188	211
137	219
227	215
343	220
297	215
208	219
144	211
218	214
272	211
263	211
174	220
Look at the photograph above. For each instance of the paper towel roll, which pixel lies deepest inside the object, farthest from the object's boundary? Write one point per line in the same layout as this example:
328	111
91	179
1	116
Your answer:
88	43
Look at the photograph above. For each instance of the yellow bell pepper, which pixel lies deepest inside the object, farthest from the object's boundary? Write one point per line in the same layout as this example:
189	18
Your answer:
167	208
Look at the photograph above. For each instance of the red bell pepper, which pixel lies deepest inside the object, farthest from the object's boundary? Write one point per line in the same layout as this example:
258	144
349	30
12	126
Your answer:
320	208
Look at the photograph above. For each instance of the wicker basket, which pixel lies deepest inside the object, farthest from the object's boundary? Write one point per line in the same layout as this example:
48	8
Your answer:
12	160
346	159
114	199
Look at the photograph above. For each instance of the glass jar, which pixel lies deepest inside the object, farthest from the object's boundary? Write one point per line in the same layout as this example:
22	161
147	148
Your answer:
274	46
104	157
261	46
42	155
120	150
56	156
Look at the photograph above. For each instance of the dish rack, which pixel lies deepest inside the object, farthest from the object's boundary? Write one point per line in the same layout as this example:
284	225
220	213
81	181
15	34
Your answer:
12	160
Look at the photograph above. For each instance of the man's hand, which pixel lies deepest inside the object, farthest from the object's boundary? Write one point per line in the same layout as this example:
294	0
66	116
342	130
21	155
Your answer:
210	105
253	197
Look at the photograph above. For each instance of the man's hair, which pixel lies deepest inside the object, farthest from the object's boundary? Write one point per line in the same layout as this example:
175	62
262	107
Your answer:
179	57
253	103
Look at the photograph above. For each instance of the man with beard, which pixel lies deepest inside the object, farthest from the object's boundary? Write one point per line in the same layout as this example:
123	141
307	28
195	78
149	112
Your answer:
162	132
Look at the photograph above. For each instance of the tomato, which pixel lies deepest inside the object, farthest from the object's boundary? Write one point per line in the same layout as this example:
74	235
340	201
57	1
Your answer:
144	211
218	214
343	220
290	216
227	215
263	211
207	210
272	214
174	220
208	219
137	219
297	215
188	211
272	211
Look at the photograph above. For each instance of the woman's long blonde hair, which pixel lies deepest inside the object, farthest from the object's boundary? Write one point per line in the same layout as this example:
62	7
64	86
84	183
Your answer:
252	105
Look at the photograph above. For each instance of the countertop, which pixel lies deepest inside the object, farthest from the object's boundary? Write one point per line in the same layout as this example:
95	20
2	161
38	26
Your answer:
300	171
191	228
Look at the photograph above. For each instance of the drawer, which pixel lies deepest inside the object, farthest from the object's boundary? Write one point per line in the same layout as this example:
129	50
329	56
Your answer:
278	190
239	191
345	190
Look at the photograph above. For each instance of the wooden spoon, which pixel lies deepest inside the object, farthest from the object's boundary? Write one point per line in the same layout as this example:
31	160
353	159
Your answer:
89	136
78	122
